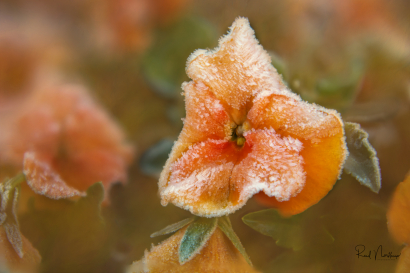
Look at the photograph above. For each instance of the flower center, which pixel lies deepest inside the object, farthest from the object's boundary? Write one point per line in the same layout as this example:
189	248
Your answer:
238	131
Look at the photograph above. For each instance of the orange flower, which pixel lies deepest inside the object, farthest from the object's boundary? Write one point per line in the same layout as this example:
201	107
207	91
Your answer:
399	211
10	261
218	255
399	224
65	142
245	132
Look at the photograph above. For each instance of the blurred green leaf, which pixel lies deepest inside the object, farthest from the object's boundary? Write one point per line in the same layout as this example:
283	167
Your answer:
153	160
164	64
195	237
172	228
373	111
279	64
225	225
9	193
338	92
294	232
362	162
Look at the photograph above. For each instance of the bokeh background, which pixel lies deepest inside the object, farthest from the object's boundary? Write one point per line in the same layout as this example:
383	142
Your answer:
351	55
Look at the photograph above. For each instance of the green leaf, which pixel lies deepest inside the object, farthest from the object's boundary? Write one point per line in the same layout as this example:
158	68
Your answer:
10	192
195	238
11	224
172	228
225	225
362	162
153	160
164	64
294	232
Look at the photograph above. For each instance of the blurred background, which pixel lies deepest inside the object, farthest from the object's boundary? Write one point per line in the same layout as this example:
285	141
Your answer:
351	55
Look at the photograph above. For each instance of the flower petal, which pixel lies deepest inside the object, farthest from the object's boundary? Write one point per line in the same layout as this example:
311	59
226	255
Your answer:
269	163
205	119
238	69
214	178
292	116
218	255
322	164
199	180
403	265
398	214
83	169
44	180
10	261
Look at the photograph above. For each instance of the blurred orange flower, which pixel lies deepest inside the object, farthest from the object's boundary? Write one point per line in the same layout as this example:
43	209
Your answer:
398	222
218	255
127	24
10	261
245	132
64	142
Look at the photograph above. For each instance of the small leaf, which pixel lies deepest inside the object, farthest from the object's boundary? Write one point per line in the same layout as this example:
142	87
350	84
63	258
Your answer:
3	217
362	162
153	160
225	225
195	238
14	236
294	232
11	225
172	228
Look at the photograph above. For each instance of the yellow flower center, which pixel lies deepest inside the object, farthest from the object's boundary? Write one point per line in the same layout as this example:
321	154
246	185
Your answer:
238	131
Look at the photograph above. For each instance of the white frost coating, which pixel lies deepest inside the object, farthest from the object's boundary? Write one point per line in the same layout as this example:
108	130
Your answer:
274	166
45	181
239	69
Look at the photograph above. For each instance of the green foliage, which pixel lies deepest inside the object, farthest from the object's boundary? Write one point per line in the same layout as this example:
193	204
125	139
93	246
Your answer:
153	160
9	193
362	162
295	232
173	227
195	237
198	233
164	64
225	225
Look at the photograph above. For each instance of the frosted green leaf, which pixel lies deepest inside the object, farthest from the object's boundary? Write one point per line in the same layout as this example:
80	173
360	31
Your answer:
11	225
164	64
293	232
153	160
362	162
10	192
172	228
195	238
225	225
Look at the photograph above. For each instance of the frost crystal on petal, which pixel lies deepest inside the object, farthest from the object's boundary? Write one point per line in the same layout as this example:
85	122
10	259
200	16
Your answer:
44	180
238	69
